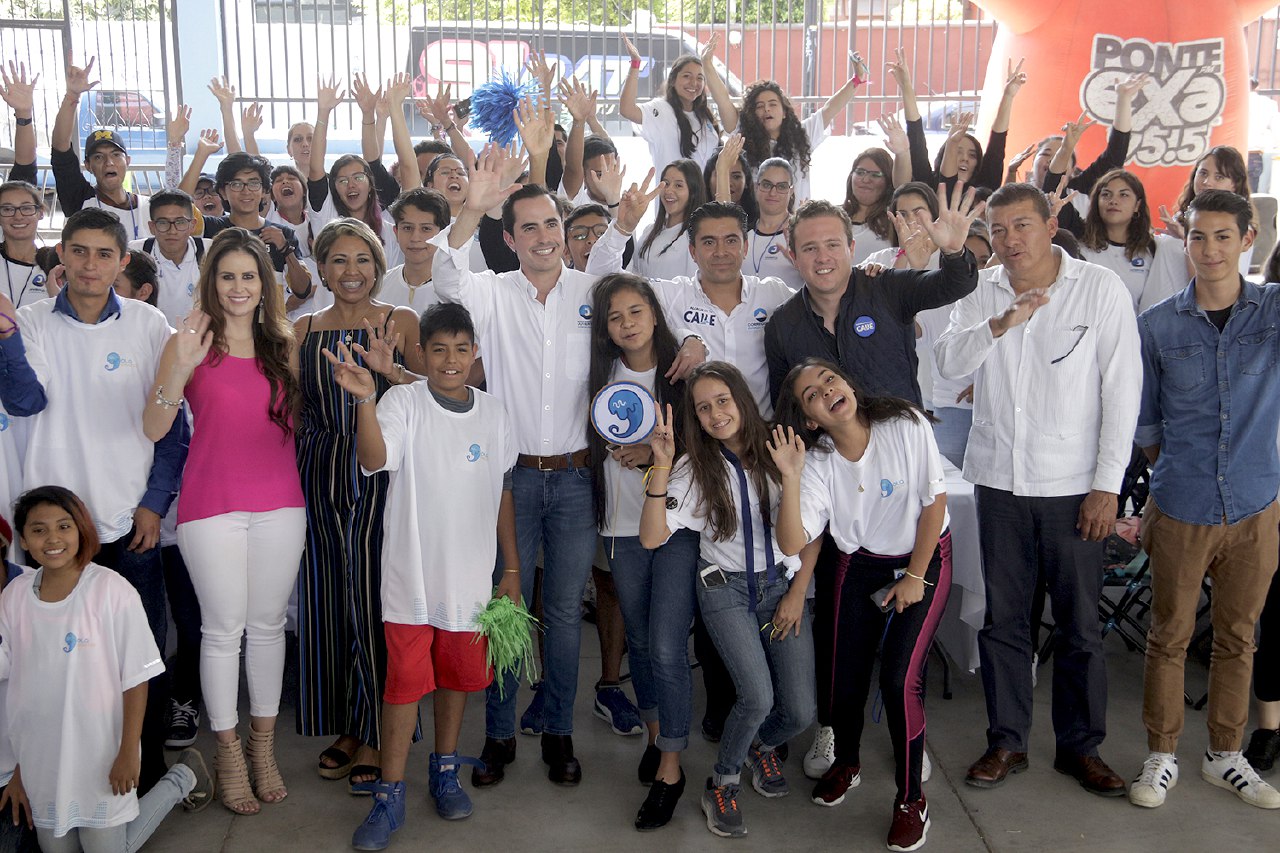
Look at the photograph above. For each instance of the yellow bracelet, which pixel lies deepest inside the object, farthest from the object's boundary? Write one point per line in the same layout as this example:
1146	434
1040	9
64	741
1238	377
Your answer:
917	577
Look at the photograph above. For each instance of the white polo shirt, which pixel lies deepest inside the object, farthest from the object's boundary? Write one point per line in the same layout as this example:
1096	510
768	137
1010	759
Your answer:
767	256
1149	278
396	291
1055	399
668	255
178	282
23	283
662	132
134	220
536	355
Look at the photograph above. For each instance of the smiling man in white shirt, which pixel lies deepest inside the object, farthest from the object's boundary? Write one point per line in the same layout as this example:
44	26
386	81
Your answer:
1054	349
536	325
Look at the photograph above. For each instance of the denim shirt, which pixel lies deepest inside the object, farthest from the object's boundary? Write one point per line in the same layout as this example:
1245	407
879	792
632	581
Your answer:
1211	400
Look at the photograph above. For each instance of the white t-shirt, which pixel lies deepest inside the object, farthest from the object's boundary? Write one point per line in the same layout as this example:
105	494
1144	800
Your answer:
23	283
97	379
68	662
731	554
816	130
668	256
441	521
662	132
624	487
873	503
767	256
318	219
943	391
134	220
867	243
178	282
1148	278
396	291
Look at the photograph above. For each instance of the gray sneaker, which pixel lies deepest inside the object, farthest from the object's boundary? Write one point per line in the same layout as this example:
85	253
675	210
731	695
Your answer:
720	805
766	774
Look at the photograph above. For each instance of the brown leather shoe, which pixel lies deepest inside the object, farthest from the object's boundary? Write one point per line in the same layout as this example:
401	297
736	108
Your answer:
496	755
996	763
562	767
1091	772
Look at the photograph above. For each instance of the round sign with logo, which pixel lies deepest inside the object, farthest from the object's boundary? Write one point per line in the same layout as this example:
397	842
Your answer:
864	326
624	413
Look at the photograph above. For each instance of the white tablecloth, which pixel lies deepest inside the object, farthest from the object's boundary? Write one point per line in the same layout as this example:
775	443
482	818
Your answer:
966	609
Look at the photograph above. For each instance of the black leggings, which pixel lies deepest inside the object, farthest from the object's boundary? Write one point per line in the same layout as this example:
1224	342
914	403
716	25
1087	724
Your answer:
1266	661
859	628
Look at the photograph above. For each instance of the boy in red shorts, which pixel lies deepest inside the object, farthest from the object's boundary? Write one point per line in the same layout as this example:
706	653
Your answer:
450	452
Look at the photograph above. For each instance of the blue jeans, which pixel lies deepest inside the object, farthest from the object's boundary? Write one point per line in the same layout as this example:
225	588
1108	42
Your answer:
554	512
655	593
774	678
952	433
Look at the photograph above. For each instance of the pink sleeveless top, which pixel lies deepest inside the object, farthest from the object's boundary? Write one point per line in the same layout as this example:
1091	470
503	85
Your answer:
240	461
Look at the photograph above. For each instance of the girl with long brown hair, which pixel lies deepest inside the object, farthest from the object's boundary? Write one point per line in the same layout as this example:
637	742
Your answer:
241	520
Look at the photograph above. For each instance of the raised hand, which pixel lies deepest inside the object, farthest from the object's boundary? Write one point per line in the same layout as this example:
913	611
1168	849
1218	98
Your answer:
960	124
251	119
536	124
536	65
635	202
514	164
732	151
435	109
175	128
78	78
631	48
210	142
193	341
901	71
663	438
1016	80
915	243
380	356
1023	156
349	376
1057	200
708	51
895	137
787	450
1172	223
609	184
1132	85
365	97
329	94
397	89
949	231
486	190
861	72
580	103
17	91
223	91
1073	130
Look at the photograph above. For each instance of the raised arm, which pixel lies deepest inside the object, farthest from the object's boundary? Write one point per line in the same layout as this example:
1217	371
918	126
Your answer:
1061	162
61	138
653	516
250	121
226	95
436	110
899	146
208	145
372	131
719	91
627	106
175	132
19	93
787	450
485	191
186	350
537	130
921	168
727	159
837	102
396	92
581	105
1012	85
329	96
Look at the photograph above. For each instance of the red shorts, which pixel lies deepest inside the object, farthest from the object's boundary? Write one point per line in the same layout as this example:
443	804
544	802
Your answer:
421	658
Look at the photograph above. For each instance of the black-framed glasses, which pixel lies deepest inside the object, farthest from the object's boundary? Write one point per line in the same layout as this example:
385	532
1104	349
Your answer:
10	210
582	232
1079	337
163	226
236	186
867	173
769	187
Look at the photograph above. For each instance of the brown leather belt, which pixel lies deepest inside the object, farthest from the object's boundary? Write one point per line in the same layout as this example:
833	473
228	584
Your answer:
563	462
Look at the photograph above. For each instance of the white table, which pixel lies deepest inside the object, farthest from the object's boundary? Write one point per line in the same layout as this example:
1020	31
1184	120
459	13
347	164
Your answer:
967	607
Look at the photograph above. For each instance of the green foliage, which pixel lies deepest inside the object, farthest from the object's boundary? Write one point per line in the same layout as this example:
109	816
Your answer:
90	10
551	12
927	11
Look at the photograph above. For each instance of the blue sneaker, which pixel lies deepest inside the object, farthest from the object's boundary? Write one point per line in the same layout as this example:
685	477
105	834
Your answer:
452	803
534	718
613	706
386	816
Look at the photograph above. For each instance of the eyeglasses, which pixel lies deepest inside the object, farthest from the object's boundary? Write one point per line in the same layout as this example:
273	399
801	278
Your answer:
163	226
205	192
11	210
236	186
360	178
450	173
582	232
770	187
868	173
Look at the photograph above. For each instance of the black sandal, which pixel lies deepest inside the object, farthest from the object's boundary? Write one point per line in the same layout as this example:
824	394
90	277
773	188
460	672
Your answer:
369	786
342	764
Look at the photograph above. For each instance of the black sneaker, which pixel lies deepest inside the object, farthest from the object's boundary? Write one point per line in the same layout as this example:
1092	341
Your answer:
184	724
658	807
648	770
1264	749
712	729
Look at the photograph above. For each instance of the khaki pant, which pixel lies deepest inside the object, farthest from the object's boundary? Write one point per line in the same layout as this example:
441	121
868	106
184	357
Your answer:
1240	558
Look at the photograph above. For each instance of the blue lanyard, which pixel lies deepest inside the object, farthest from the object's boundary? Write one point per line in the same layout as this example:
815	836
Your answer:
748	531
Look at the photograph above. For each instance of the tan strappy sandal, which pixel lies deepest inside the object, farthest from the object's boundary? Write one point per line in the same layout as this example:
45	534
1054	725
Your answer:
266	774
232	779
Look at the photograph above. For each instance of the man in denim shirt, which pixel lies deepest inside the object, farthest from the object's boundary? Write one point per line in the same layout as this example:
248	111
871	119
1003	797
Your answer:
1208	422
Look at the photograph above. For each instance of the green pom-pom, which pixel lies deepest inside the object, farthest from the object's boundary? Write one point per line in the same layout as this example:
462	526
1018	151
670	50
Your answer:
506	625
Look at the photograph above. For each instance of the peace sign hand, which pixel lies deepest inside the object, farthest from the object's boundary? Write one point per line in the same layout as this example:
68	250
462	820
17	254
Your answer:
380	357
1073	130
1016	80
787	450
663	440
635	202
349	376
1058	200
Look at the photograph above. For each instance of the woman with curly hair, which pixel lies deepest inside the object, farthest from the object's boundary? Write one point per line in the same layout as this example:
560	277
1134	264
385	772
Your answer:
771	128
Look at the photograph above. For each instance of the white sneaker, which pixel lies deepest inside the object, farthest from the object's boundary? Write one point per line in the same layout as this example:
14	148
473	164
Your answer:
822	754
1035	668
1159	774
926	767
1232	772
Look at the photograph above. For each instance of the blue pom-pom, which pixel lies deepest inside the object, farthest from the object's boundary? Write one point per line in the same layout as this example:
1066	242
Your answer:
492	104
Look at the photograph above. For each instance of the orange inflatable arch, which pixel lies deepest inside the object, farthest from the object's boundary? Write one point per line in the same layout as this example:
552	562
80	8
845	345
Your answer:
1076	50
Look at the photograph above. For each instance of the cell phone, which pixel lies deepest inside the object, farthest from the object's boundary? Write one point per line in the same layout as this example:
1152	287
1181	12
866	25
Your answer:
877	598
462	109
713	576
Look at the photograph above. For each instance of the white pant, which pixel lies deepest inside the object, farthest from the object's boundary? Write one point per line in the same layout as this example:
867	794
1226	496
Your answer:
125	837
243	566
